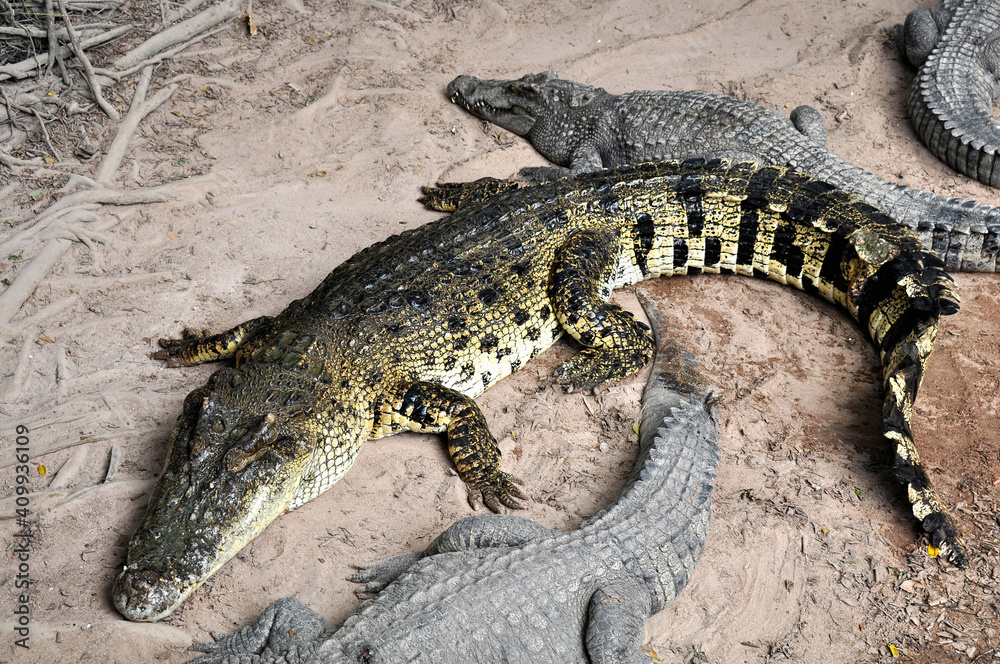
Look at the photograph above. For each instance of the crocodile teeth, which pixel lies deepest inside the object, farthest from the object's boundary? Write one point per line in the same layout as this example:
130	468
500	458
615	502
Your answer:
464	103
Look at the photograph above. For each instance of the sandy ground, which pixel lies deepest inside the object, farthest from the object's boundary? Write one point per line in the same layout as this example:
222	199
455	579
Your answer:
313	139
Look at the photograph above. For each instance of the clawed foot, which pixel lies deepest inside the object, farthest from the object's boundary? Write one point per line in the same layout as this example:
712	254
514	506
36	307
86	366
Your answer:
541	174
172	349
376	576
592	367
454	196
497	492
285	623
945	537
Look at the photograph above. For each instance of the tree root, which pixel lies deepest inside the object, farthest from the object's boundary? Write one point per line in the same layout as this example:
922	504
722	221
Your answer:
74	216
140	108
24	68
74	209
183	31
88	68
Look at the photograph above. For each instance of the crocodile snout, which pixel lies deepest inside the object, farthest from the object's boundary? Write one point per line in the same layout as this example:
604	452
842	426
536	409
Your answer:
143	596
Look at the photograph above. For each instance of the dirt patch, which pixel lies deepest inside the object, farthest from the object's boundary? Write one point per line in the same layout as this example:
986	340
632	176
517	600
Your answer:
312	140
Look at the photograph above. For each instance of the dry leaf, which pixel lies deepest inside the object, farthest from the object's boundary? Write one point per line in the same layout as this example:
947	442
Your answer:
252	25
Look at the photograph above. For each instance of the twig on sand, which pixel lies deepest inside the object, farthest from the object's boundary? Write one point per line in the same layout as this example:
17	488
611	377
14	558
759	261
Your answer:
73	441
52	499
45	134
62	369
113	462
88	69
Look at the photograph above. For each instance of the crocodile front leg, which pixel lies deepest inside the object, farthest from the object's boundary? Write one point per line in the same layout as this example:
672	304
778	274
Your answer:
616	344
432	408
454	196
194	349
285	625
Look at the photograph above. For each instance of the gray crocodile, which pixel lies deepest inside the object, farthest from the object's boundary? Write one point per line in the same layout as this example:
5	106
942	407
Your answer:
956	47
582	128
500	588
405	333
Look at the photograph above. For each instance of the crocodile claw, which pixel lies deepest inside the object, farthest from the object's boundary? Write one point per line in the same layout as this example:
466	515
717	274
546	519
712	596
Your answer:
286	623
592	367
376	576
498	492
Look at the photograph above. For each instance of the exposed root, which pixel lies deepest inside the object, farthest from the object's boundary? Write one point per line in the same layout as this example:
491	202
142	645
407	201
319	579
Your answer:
14	387
140	108
181	32
95	87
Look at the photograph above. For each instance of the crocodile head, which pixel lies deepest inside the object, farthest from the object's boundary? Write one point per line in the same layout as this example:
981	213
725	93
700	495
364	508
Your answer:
235	464
518	105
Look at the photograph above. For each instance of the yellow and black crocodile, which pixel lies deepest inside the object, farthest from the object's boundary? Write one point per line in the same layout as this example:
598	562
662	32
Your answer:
405	333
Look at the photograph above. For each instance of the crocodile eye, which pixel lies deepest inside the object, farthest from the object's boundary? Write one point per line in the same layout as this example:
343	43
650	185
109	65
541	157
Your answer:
218	425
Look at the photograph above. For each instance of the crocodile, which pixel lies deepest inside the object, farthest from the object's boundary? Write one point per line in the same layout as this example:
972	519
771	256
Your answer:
405	333
582	128
955	46
500	588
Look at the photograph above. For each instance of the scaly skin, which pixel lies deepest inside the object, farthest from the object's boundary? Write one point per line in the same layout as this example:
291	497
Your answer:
404	335
506	589
956	47
584	128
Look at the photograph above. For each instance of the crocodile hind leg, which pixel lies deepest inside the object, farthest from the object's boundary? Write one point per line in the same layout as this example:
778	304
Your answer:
194	349
616	344
432	408
482	531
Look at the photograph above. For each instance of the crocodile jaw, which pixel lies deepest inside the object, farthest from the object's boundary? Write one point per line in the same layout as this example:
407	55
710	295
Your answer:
217	492
493	101
154	585
141	596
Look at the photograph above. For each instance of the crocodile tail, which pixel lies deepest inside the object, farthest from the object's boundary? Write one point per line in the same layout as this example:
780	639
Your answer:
908	296
965	234
963	247
958	128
